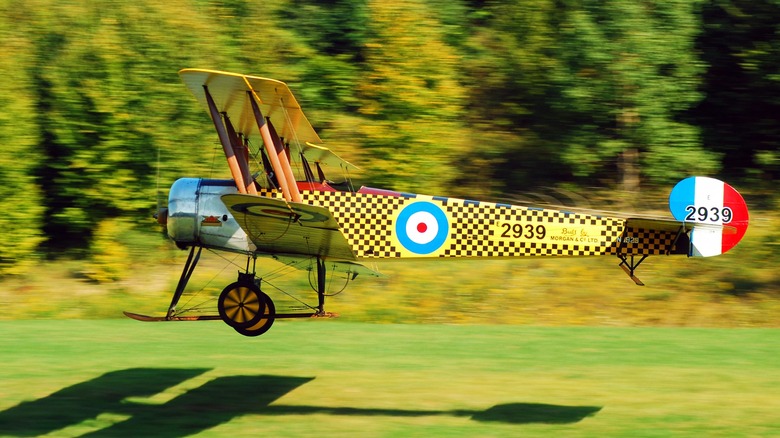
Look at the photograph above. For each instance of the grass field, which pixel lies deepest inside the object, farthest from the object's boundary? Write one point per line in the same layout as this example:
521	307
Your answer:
331	378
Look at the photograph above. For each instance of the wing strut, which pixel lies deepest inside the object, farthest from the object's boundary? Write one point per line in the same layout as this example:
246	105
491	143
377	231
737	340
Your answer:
224	138
307	169
285	161
242	155
270	172
275	152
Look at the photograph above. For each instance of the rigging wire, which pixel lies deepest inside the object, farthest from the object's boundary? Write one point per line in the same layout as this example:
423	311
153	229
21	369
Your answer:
260	164
348	177
290	128
276	273
233	261
300	301
330	281
213	159
283	270
192	296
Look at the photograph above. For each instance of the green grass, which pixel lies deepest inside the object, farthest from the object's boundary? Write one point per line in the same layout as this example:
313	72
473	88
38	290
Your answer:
331	378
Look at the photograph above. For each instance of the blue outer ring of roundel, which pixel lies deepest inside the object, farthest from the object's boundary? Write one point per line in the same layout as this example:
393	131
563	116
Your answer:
441	235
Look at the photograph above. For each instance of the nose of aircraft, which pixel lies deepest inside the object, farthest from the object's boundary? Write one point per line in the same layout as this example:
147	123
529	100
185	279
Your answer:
162	216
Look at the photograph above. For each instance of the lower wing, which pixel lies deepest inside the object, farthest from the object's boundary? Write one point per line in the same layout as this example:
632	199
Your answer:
275	226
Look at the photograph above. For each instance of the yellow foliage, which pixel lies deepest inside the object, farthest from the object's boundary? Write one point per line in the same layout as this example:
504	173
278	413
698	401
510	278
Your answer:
110	257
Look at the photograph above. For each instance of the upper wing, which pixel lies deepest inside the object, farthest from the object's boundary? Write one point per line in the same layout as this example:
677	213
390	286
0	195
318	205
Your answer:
229	91
276	227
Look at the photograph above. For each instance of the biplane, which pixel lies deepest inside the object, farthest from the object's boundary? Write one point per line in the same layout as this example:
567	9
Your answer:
280	203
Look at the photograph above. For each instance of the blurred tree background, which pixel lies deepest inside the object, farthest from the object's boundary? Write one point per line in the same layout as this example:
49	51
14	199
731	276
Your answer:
423	94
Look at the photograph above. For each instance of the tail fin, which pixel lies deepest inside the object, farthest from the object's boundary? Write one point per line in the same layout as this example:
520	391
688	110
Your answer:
708	201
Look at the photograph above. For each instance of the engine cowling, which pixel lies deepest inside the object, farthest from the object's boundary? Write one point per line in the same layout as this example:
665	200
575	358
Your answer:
197	216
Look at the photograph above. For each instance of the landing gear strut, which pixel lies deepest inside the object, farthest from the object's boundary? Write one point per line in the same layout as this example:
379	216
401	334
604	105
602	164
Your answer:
321	271
241	305
186	273
246	308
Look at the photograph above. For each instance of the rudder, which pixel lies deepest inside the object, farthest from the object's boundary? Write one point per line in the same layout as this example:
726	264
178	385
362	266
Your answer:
703	200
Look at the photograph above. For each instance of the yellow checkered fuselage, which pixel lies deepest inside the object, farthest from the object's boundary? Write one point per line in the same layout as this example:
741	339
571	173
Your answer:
401	225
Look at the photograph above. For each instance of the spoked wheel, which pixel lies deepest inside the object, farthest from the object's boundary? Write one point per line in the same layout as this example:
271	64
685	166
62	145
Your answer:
243	306
265	321
240	305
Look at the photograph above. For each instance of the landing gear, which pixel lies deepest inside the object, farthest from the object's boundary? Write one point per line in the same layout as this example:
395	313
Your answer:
250	312
243	306
321	286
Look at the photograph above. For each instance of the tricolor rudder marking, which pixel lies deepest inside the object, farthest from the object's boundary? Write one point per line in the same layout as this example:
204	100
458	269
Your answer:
703	200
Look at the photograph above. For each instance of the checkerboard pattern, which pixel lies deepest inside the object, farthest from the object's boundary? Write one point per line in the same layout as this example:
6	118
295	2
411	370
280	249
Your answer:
368	223
648	242
365	219
473	237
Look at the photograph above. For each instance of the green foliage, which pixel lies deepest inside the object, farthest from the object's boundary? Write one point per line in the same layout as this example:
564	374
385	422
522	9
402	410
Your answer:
110	257
740	42
335	28
616	75
461	98
101	84
21	202
411	99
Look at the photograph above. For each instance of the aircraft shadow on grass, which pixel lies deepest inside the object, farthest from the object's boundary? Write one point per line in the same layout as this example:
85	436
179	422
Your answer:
216	402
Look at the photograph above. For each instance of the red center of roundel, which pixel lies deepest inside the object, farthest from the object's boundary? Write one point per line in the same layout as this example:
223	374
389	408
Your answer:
421	227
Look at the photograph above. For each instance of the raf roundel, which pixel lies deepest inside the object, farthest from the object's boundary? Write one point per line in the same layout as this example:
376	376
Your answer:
422	228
